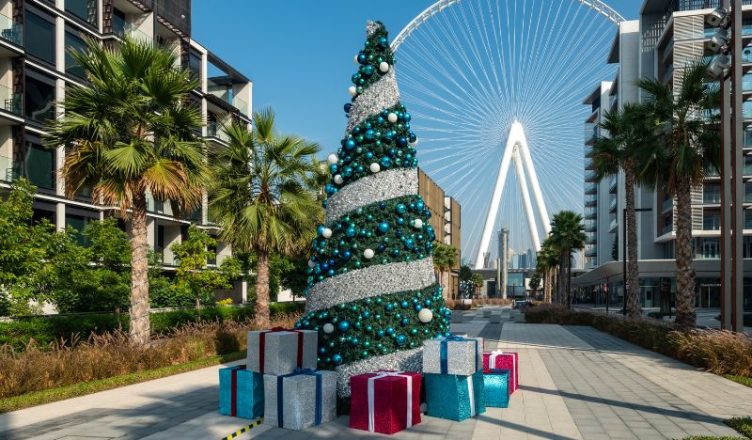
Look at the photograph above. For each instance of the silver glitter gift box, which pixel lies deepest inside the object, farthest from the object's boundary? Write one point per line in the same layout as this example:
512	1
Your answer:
281	352
300	400
453	355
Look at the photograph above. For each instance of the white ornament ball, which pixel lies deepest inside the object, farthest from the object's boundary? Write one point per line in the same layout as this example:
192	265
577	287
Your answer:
392	117
332	159
374	167
425	316
368	254
352	90
327	233
414	143
384	67
311	264
355	59
328	328
338	179
418	223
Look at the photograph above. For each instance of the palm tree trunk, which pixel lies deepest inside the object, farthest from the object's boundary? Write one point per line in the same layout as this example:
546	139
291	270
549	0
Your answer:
569	283
140	327
634	306
685	279
262	290
562	278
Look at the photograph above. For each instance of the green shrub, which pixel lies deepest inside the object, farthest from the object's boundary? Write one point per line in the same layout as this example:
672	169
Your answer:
743	425
719	352
67	329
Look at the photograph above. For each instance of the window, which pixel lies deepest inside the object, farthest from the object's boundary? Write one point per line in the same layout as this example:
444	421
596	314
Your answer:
40	37
77	223
711	221
73	42
710	248
39	99
118	22
39	166
194	63
711	193
747	192
84	9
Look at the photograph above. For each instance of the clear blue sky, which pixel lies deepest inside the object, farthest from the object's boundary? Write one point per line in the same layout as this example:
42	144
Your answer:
299	52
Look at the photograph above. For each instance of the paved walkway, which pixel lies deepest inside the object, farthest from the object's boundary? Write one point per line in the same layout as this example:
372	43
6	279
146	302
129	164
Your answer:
576	383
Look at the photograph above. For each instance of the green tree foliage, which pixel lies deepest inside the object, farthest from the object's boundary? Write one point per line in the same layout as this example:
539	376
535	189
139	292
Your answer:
466	274
130	134
535	283
194	277
567	236
263	197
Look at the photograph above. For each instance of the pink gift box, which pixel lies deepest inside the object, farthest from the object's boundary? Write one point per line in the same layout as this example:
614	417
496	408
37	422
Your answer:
503	360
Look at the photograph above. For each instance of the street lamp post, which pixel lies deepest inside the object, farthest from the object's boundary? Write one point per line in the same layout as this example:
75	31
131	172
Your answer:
624	252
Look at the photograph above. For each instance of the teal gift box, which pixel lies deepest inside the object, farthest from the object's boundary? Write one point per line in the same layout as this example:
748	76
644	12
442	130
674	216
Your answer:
496	388
455	397
241	393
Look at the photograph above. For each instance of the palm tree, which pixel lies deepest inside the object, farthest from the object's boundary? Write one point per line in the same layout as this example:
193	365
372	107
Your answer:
444	259
567	235
263	197
128	135
689	140
547	262
629	137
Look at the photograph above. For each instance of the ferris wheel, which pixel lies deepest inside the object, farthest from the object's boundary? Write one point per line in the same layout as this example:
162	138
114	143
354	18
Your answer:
471	70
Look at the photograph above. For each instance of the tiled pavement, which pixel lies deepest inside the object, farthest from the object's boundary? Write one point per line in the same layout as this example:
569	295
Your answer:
577	383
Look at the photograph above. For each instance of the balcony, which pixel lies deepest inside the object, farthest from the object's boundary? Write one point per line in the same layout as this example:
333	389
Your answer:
10	31
11	102
590	176
591	133
591	189
613	185
591	202
613	225
214	130
591	253
8	172
667	205
612	206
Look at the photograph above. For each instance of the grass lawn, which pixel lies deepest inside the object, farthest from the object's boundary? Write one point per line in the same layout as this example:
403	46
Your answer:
80	389
742	424
741	379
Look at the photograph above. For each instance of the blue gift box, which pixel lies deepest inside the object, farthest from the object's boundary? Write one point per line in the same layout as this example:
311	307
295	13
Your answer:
496	388
241	393
455	397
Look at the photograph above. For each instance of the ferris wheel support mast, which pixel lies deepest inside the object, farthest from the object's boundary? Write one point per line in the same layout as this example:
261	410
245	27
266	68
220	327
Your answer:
596	5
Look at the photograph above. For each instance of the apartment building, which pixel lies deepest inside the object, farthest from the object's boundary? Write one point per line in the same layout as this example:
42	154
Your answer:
668	36
36	69
446	217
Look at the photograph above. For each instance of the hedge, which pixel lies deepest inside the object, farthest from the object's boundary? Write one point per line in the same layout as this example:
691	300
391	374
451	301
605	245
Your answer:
68	329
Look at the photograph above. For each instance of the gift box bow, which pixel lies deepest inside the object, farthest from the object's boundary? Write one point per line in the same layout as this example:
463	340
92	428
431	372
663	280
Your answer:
262	345
372	397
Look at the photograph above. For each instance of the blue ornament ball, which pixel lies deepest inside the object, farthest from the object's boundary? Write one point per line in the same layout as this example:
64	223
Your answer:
337	359
401	340
343	326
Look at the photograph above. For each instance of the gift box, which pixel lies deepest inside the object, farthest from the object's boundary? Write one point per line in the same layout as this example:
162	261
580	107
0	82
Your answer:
279	351
453	355
455	397
496	388
385	402
503	360
300	399
241	393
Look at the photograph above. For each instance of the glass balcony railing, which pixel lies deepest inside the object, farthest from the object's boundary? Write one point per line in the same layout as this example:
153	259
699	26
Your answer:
241	105
667	205
11	31
7	170
10	101
214	130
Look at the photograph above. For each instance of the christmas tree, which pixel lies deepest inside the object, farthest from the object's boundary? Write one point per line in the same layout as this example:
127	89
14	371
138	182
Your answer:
372	293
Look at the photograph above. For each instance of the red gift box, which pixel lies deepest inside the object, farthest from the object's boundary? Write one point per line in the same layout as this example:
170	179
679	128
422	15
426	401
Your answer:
385	402
503	360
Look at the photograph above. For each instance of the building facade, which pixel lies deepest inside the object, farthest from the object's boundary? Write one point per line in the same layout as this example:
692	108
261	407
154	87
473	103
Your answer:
36	69
668	36
446	220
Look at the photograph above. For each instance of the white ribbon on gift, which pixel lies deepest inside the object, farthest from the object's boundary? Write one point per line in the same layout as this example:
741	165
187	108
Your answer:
492	359
471	394
372	398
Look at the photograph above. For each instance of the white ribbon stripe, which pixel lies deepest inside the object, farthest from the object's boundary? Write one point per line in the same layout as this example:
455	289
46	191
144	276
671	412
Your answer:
471	393
492	359
372	398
